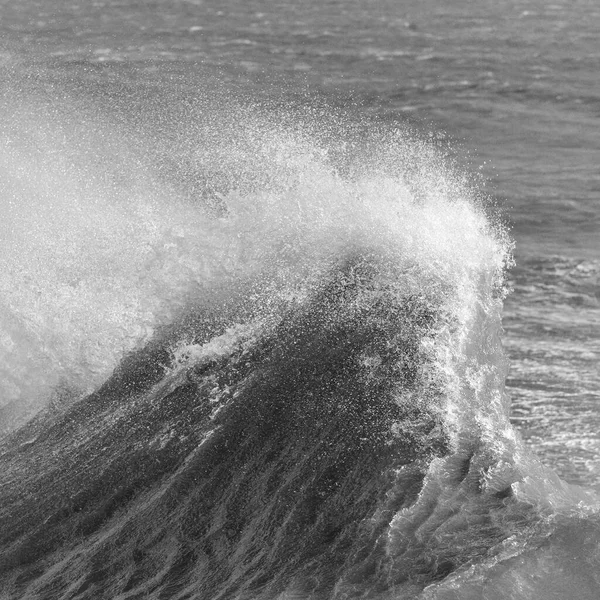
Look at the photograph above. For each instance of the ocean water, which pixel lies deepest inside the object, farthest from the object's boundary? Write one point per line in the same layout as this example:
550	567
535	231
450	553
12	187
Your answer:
299	300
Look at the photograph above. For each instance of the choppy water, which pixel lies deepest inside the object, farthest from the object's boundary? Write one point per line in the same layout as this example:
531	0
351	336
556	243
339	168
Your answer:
154	153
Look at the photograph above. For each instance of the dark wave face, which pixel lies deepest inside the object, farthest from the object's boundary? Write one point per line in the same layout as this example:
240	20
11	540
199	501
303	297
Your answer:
318	410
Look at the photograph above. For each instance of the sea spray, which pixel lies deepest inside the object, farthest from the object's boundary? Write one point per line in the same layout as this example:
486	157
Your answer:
101	246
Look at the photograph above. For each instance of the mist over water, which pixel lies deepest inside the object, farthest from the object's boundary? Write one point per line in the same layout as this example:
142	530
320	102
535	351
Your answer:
85	244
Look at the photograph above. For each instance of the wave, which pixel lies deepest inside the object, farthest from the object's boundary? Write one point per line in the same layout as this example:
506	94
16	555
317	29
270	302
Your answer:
273	370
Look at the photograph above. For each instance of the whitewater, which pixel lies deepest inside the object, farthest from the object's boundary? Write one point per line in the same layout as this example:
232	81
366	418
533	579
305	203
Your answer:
260	357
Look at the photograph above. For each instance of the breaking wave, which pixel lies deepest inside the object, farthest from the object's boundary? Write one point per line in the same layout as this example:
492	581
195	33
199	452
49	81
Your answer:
261	359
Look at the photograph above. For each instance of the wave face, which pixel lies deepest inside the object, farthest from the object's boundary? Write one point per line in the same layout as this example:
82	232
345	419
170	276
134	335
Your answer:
296	388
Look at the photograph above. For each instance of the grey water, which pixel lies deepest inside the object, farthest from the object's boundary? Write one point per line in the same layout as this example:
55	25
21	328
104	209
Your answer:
509	87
